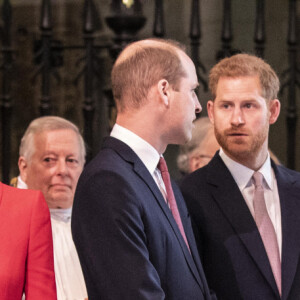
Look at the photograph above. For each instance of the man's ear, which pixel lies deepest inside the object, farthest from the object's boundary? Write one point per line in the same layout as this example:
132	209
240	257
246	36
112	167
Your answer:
210	110
23	168
274	108
164	90
194	163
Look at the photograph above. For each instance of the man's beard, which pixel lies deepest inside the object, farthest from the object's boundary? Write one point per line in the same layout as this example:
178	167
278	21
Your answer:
242	150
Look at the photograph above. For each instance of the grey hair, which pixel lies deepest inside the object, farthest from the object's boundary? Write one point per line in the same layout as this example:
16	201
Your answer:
202	126
48	123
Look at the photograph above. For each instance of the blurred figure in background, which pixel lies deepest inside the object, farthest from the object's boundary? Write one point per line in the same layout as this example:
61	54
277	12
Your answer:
200	149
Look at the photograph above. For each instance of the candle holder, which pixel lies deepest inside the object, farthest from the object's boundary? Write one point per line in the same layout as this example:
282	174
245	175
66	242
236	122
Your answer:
126	19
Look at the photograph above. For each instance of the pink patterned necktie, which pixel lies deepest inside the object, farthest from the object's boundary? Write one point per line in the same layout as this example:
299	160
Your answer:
266	228
162	166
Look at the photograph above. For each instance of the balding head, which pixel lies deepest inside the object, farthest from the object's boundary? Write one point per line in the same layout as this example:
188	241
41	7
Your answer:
140	66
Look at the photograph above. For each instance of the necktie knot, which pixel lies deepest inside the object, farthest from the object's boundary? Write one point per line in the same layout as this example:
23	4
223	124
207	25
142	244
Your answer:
258	179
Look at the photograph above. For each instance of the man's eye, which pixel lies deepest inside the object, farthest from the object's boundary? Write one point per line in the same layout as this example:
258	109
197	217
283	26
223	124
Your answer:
49	159
72	160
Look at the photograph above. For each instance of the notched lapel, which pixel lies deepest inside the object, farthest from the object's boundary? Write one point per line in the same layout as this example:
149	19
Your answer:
231	202
141	170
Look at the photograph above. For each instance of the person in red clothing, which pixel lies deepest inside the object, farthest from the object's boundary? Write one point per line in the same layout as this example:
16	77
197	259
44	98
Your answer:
26	251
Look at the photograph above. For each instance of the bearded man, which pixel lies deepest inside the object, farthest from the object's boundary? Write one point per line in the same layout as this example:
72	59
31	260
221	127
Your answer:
244	207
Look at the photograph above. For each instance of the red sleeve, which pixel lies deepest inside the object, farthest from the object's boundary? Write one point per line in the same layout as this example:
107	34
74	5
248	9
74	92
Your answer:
40	278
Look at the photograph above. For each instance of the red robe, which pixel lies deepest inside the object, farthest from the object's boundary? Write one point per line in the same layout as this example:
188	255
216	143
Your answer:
26	249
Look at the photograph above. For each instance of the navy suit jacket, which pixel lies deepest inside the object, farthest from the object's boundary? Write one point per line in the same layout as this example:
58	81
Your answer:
127	240
232	252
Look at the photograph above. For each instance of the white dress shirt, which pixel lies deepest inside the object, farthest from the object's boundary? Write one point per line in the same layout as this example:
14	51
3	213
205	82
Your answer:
243	177
146	153
69	279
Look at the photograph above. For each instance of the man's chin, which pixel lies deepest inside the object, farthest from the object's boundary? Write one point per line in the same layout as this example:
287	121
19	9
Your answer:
241	156
60	200
237	150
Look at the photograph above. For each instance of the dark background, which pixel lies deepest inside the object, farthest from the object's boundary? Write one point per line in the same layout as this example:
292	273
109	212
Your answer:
67	98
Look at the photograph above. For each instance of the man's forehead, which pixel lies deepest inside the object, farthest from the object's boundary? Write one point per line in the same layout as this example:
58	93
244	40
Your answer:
56	132
62	137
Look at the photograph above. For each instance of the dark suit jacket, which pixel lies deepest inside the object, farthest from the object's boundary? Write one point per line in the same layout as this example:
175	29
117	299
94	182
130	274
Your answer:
26	251
128	242
230	246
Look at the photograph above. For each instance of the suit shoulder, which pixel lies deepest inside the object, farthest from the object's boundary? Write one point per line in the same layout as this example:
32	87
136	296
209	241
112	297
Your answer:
20	197
19	194
284	171
197	177
104	159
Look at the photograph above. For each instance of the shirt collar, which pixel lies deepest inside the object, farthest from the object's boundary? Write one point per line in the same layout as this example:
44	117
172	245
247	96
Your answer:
242	175
21	184
147	154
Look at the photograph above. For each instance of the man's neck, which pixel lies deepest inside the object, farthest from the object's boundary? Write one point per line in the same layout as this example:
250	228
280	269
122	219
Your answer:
253	161
145	130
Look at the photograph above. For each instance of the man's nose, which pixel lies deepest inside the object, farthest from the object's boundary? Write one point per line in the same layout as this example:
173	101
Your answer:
237	117
198	107
62	168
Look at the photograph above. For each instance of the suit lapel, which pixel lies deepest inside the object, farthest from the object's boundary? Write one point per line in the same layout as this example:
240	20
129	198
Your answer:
230	200
191	239
290	228
139	168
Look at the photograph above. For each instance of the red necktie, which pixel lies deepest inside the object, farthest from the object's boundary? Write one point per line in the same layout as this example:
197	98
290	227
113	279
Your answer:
266	228
162	166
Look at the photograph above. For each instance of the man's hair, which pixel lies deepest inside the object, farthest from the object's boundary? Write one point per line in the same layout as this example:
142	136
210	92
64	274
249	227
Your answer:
201	129
246	65
49	123
140	66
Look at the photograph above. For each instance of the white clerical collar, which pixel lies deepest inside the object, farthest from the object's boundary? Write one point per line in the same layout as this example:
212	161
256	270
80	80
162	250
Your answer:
21	184
147	154
242	175
61	214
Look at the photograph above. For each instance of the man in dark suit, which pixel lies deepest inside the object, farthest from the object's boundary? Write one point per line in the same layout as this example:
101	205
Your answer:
245	208
130	244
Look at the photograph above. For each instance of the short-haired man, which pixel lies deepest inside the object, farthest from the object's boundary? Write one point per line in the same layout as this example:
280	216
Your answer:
131	228
245	208
52	155
200	149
